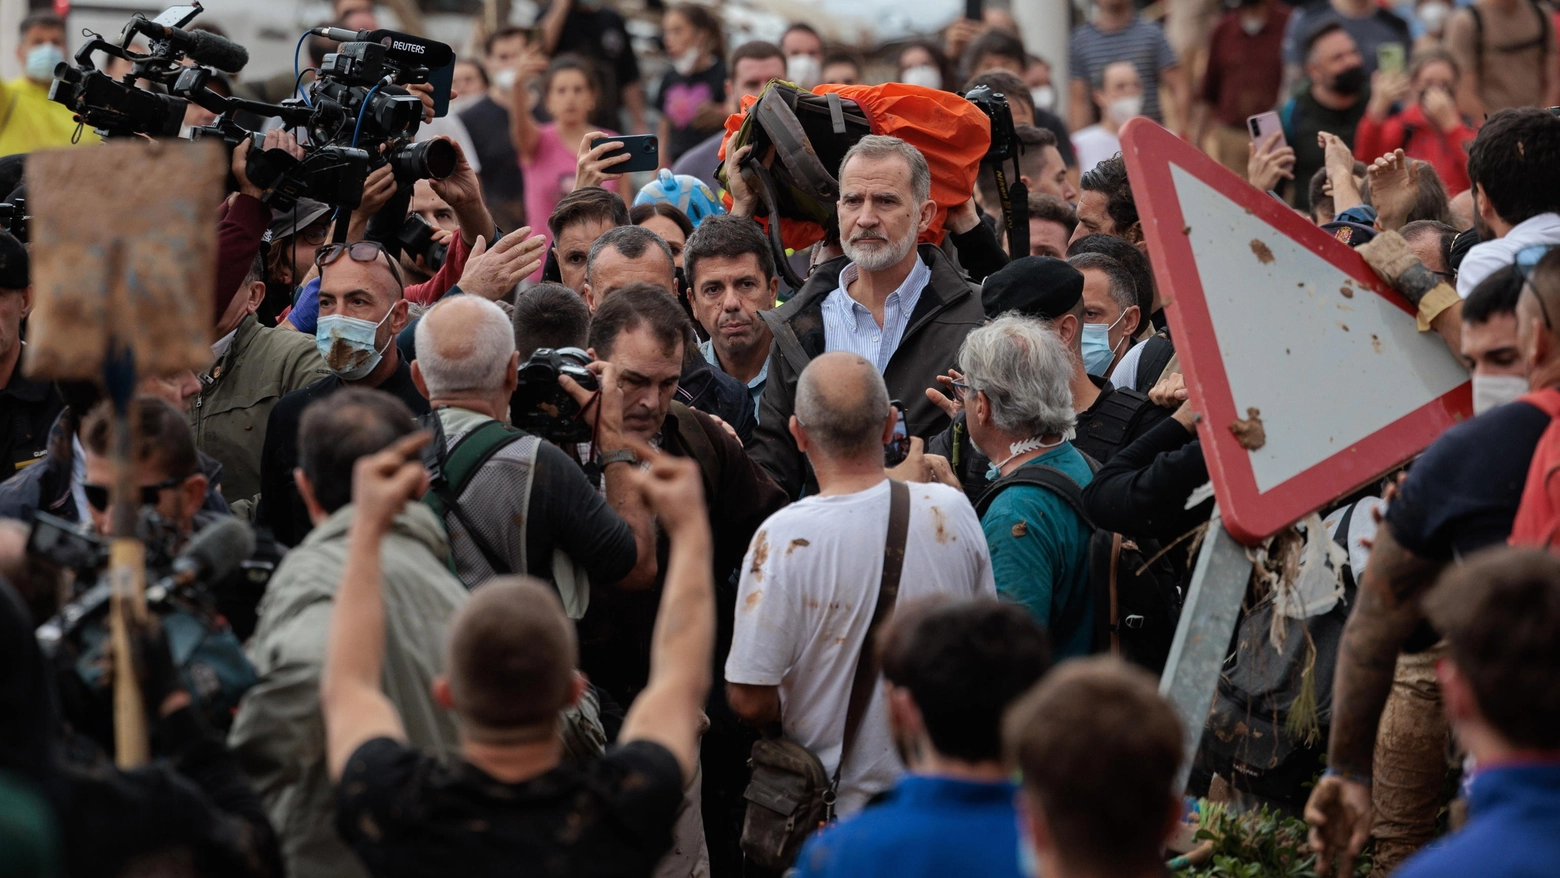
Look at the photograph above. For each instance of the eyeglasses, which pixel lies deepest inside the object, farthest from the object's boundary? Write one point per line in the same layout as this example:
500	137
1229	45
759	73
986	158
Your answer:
362	251
97	495
960	389
314	235
1526	263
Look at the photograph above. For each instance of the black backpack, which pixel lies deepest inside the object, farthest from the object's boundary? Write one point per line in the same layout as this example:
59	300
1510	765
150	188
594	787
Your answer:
1137	602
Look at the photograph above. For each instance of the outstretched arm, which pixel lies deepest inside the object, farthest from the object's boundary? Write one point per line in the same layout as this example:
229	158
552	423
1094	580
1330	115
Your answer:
354	708
668	710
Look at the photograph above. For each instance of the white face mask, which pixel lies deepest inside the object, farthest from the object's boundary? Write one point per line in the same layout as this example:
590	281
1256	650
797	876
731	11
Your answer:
1252	26
1433	15
1043	96
1122	109
1490	391
924	75
803	70
504	79
685	62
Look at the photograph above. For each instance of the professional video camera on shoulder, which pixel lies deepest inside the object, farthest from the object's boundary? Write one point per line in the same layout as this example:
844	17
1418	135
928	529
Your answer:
118	108
1005	147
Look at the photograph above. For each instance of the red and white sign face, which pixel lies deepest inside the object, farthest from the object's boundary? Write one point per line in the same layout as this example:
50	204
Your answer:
1272	314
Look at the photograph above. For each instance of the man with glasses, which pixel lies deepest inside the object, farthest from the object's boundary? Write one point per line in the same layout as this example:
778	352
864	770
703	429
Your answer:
172	489
362	309
1460	496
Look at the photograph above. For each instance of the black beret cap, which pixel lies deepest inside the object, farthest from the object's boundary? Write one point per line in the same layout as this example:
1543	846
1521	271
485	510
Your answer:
1035	286
13	263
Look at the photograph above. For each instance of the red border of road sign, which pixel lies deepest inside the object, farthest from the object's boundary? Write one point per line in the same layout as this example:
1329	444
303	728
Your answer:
1250	515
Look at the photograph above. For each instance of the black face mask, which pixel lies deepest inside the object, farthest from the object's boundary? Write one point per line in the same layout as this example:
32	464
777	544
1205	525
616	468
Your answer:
1349	81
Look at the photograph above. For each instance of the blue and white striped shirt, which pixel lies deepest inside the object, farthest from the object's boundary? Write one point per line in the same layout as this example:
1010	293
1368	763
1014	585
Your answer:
849	325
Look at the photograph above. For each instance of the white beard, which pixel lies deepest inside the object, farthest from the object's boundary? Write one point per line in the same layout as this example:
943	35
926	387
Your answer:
878	257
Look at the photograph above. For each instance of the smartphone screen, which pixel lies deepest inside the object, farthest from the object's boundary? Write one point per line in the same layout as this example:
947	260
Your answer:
898	448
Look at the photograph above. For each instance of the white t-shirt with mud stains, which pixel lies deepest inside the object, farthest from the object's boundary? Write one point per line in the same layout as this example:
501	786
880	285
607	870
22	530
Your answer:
809	585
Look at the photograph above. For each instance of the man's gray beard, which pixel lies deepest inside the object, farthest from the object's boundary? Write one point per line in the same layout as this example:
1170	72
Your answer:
881	257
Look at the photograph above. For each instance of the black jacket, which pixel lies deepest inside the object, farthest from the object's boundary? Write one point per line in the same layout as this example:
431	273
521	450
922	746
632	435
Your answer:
281	509
948	309
1142	491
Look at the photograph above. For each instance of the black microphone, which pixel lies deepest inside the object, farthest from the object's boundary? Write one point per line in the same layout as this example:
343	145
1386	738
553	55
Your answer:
340	35
203	47
214	553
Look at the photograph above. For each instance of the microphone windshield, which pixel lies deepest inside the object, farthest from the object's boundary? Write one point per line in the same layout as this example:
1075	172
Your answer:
209	50
218	549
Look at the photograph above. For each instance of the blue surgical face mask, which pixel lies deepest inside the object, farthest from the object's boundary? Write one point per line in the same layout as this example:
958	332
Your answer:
349	345
41	61
1098	353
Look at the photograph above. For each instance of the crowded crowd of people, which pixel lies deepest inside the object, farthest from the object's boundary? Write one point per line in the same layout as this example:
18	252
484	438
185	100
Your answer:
740	517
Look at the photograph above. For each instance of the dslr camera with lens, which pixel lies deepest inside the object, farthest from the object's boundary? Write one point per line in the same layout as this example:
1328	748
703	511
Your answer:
540	405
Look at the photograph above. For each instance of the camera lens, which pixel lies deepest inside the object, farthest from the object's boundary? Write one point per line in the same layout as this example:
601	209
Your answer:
419	161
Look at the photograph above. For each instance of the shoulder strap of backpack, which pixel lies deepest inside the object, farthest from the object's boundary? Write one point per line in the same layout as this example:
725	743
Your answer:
699	446
1156	356
450	471
865	680
1049	478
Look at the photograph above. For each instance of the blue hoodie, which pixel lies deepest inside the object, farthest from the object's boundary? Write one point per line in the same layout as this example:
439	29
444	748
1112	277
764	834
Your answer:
1513	828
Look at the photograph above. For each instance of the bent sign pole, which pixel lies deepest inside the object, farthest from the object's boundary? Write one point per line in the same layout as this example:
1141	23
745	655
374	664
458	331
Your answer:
1310	374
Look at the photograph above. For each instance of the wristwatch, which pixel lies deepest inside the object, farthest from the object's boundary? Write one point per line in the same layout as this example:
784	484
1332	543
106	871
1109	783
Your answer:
622	455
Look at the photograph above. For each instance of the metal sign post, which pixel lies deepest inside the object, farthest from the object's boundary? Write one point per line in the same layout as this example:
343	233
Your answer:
1202	637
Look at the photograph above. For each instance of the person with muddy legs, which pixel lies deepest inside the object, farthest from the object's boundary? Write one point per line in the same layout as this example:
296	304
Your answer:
1460	496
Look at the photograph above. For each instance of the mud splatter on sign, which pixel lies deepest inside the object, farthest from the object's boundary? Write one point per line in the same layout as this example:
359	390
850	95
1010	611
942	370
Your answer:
1263	254
1249	431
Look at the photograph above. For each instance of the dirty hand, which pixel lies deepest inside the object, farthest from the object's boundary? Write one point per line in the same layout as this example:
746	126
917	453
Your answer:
1394	188
1339	158
1391	258
938	469
743	202
592	169
672	488
491	272
383	483
1270	163
1340	815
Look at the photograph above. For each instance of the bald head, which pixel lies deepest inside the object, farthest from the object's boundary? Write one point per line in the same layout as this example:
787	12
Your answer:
465	346
842	404
512	658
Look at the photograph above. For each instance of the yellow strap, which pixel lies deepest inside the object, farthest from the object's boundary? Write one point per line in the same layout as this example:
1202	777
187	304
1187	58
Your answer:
1437	300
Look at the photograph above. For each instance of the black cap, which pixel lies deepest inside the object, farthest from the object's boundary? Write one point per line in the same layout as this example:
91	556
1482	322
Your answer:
1034	286
14	272
1351	233
1466	240
306	211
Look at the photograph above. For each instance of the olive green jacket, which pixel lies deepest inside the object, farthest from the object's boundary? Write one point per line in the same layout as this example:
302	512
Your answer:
236	396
